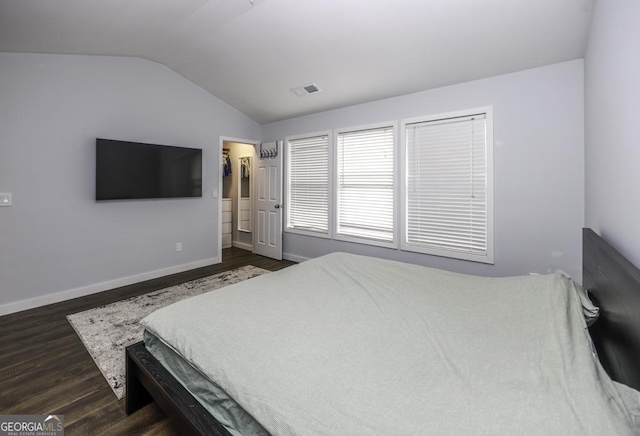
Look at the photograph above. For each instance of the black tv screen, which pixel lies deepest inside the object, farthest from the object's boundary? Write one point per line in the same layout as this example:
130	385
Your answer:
133	170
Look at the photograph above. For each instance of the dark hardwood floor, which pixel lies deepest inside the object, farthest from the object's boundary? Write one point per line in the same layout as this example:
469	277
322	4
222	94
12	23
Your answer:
45	369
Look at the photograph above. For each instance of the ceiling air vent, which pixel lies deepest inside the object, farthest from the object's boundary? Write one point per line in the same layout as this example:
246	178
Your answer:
302	90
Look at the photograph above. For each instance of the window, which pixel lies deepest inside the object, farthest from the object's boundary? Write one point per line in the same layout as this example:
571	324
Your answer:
307	170
365	185
448	186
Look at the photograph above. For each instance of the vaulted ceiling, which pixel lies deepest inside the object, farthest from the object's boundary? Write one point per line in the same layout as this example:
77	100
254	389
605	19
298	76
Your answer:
251	53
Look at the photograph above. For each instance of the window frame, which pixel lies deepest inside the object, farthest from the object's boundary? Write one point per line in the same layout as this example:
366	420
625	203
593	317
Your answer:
404	245
287	185
335	208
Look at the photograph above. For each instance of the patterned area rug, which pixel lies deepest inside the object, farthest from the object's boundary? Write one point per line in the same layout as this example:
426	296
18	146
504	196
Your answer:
106	330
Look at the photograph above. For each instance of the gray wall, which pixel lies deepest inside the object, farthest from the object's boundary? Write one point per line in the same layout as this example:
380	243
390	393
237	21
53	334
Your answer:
612	148
538	166
55	237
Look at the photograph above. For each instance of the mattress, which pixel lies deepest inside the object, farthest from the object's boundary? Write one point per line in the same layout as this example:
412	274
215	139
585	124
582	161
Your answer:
352	345
217	402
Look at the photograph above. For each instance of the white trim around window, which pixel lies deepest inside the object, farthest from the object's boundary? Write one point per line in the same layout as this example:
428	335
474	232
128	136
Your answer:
422	172
313	173
365	178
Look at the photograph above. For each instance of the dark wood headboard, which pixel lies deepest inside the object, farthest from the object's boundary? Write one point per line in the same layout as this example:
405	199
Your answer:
614	285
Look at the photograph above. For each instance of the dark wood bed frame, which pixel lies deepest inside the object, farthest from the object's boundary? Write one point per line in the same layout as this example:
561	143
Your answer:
147	380
614	285
612	281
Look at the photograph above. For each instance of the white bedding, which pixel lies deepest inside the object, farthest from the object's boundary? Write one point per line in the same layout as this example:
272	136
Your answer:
351	345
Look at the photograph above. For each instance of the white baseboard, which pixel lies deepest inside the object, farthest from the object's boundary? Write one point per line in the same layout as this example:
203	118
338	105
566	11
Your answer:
294	257
243	246
32	303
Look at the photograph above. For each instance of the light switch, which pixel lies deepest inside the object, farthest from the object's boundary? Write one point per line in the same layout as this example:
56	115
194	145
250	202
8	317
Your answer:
5	199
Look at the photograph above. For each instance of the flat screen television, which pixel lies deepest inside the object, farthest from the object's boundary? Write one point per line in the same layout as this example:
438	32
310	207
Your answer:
132	170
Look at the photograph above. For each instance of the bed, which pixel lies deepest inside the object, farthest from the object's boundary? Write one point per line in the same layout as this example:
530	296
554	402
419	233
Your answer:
351	345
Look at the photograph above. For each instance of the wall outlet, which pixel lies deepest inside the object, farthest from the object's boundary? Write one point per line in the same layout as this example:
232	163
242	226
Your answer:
178	246
5	199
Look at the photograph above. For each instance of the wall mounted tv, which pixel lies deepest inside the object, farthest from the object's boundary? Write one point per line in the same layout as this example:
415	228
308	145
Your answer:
132	170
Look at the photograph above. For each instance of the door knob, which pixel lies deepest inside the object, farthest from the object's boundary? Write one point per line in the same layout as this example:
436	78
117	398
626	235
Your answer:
277	206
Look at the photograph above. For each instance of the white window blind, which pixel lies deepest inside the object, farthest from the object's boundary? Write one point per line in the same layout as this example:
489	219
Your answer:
308	184
365	188
447	187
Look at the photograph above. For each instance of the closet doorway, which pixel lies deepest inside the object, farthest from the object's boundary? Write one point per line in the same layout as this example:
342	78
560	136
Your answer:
236	192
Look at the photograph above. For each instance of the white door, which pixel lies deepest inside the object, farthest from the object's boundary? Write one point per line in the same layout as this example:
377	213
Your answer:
268	204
